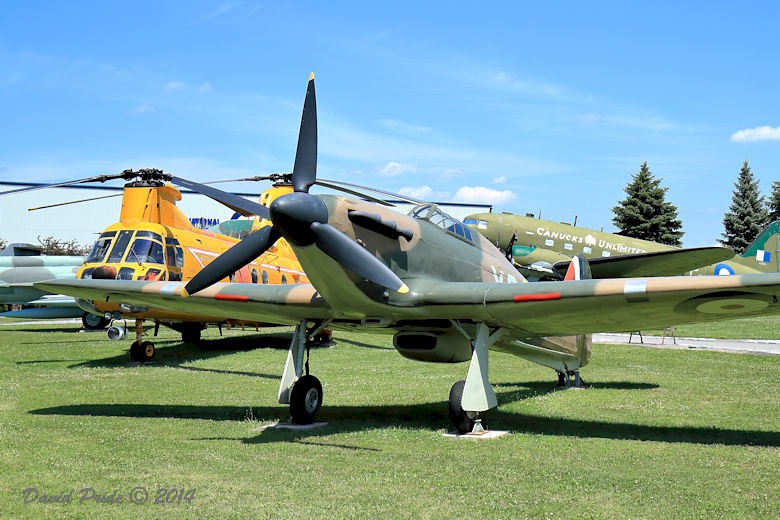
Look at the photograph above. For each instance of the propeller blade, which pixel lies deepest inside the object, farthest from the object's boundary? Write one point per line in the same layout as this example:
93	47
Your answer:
305	168
235	202
233	259
355	257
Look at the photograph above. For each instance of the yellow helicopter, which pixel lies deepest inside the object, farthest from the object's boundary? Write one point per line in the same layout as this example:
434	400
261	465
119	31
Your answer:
154	240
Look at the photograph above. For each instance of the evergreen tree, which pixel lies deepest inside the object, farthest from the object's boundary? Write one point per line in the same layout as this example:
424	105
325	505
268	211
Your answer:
747	215
773	205
645	213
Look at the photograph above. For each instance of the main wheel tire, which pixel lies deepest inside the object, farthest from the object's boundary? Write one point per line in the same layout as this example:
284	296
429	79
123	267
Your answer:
93	321
305	399
462	420
142	352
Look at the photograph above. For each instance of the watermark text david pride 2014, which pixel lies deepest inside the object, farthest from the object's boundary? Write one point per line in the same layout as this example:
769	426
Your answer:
138	495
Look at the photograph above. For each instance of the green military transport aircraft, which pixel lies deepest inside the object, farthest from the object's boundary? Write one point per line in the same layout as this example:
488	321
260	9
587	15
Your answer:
442	291
542	249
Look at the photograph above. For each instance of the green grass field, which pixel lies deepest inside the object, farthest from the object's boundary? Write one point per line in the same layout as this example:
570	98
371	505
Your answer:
761	327
661	433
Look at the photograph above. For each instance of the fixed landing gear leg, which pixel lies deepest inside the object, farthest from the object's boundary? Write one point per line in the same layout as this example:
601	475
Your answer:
469	398
302	392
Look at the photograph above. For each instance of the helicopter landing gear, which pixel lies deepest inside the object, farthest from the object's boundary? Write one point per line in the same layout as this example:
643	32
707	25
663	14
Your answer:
141	351
94	321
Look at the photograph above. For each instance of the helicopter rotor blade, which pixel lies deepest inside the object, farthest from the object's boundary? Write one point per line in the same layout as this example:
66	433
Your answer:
75	202
305	167
235	202
97	178
341	185
233	259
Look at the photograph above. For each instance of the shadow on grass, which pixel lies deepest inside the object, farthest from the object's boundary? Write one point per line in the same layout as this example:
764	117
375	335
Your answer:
426	416
172	352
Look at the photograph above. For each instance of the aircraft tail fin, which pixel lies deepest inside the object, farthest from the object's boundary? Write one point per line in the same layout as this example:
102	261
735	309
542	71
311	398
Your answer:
762	254
579	269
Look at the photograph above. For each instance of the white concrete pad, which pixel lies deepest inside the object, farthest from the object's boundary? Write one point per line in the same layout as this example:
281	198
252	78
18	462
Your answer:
490	434
291	426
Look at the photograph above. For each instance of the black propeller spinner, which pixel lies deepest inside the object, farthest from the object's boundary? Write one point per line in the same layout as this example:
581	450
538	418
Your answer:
299	217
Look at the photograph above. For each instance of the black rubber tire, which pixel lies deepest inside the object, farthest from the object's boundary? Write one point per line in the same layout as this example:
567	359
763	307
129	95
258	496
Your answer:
305	400
142	352
93	321
458	416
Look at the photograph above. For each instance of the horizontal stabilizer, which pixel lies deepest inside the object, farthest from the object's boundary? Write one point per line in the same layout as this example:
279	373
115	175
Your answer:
660	263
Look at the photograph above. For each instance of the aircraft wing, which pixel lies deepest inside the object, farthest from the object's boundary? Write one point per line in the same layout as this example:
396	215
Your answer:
281	304
526	310
659	263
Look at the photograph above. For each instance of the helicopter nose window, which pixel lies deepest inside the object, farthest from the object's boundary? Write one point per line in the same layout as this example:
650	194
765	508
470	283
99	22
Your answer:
99	250
145	251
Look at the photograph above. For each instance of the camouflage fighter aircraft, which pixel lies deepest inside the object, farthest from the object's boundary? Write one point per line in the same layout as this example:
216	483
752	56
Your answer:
23	264
542	249
443	291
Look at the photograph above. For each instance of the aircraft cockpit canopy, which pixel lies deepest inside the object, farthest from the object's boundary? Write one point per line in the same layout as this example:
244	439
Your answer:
433	214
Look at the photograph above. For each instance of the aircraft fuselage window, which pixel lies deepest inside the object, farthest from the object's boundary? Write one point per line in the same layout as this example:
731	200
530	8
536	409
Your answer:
568	246
265	277
549	242
605	253
118	251
587	250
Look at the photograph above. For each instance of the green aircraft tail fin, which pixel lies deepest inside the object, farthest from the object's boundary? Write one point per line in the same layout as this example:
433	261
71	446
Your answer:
764	252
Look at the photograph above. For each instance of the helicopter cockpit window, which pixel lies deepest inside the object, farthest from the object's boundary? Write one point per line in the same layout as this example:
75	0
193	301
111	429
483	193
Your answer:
145	251
148	234
99	250
437	217
120	245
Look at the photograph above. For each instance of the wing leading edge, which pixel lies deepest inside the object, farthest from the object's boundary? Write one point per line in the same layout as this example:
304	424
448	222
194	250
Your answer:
527	310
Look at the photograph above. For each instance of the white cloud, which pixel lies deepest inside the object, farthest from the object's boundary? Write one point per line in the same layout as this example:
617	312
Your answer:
417	192
760	133
174	85
424	193
206	87
499	180
482	195
394	169
143	108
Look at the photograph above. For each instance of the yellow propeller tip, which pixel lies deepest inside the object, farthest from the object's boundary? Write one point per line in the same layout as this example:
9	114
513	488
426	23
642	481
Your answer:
183	292
403	289
311	76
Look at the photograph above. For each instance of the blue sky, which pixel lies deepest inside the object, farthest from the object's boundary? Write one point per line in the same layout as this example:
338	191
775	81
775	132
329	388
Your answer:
529	106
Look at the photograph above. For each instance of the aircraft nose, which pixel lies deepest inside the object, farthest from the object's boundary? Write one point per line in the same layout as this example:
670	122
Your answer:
294	213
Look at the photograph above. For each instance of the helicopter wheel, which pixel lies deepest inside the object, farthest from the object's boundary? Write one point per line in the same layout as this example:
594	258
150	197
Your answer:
142	352
93	321
305	399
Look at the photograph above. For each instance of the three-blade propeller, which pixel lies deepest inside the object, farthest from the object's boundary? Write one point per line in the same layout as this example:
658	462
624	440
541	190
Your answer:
299	217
